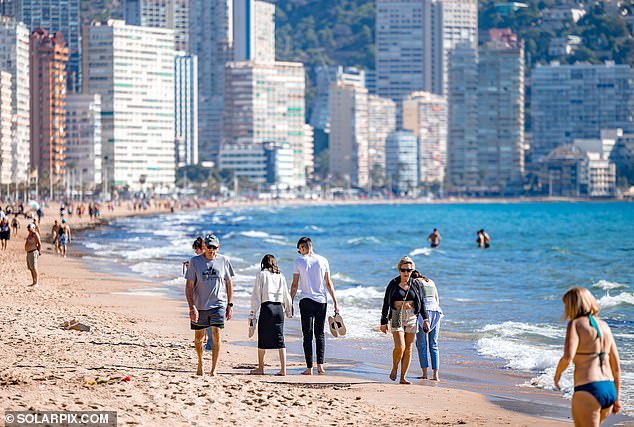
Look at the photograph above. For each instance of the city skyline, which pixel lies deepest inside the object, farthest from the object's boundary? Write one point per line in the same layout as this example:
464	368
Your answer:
460	92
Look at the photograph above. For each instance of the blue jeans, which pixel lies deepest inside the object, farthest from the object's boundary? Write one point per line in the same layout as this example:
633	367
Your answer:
423	341
210	339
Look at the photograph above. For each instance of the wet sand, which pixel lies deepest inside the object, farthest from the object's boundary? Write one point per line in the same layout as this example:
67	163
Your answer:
145	337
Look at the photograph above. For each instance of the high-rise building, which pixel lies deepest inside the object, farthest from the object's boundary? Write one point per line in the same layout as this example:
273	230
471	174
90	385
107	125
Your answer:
83	141
359	126
578	101
211	39
6	8
404	49
320	116
254	30
308	151
137	102
381	121
501	112
14	58
458	26
425	114
401	161
622	155
326	76
486	116
172	14
57	16
462	140
49	58
6	137
414	39
186	106
264	102
348	151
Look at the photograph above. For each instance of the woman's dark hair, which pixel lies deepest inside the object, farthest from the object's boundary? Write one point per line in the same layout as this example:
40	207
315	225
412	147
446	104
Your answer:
198	243
269	263
416	275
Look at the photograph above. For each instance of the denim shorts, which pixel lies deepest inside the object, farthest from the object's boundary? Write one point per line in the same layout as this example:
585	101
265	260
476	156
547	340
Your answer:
207	318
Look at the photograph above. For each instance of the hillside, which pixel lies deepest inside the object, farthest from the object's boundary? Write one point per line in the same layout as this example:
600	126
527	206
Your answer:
342	31
326	31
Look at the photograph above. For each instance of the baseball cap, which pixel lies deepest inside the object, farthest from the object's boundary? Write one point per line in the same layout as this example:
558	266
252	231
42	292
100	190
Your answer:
211	240
63	220
30	226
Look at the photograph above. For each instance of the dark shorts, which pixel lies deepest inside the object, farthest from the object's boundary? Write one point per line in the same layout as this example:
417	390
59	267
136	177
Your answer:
207	318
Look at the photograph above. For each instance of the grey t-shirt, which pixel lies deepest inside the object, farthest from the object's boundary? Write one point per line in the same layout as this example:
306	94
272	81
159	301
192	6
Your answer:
209	277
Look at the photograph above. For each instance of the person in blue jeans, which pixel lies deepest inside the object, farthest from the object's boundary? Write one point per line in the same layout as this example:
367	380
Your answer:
199	247
428	340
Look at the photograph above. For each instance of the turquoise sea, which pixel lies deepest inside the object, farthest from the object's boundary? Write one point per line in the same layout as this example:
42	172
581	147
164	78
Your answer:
504	303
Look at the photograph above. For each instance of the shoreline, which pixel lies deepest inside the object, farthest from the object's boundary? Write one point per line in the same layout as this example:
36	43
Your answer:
141	326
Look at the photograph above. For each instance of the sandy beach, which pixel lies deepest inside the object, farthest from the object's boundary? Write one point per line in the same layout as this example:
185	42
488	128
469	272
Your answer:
146	337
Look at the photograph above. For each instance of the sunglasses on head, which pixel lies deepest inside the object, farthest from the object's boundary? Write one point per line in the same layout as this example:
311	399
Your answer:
406	270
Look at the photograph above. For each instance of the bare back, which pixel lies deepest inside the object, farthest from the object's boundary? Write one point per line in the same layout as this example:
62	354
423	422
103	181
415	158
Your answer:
586	357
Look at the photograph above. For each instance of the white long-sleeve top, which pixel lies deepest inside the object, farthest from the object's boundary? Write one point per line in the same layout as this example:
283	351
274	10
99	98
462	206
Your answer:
270	287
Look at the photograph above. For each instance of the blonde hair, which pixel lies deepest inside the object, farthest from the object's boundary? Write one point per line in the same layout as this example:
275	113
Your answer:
406	260
579	302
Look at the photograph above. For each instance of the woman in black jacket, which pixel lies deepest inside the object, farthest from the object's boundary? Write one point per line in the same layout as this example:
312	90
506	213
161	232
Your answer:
402	303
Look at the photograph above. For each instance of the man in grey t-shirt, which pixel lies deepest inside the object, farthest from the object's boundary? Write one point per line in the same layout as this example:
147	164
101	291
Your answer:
209	293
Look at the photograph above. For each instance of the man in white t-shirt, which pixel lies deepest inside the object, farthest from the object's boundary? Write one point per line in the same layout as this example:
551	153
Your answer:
311	273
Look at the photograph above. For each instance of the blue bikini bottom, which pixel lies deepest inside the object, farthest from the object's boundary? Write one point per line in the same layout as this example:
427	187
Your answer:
603	391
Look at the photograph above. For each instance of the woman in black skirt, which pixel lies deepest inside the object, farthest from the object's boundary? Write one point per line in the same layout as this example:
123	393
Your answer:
271	300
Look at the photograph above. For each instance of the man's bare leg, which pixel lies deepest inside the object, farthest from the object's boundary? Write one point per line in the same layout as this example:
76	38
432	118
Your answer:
34	277
198	343
215	349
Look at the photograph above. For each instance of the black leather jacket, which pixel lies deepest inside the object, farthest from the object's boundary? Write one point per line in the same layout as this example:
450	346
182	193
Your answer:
391	295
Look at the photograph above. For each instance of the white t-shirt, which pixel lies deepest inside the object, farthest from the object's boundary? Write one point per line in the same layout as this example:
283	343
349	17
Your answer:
311	269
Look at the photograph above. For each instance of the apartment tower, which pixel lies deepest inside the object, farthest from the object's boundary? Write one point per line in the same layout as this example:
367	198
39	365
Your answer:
49	58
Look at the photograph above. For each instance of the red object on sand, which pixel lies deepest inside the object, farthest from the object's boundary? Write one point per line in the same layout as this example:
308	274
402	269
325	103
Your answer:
126	379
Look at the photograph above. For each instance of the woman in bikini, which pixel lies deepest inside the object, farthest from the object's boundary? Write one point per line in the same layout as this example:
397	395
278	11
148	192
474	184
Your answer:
590	345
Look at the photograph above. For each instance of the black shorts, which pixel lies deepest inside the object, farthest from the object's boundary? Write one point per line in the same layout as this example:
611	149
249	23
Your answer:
206	318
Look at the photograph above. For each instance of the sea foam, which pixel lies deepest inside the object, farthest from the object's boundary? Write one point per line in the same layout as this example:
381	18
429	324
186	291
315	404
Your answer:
421	251
342	277
365	240
606	285
609	301
519	355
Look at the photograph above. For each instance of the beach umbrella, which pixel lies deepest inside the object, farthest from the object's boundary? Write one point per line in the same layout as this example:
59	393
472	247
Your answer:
35	205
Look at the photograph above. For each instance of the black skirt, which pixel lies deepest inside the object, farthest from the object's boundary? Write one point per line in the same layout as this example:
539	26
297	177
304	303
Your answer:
271	326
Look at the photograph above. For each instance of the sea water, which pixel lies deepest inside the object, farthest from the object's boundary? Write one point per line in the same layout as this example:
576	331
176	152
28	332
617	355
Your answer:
504	302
